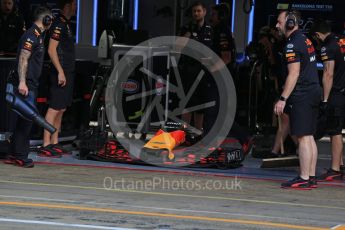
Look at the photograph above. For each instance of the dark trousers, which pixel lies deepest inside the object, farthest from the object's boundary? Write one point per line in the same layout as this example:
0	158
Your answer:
21	129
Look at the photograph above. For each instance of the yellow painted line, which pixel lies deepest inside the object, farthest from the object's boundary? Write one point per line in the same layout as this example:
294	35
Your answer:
177	195
154	214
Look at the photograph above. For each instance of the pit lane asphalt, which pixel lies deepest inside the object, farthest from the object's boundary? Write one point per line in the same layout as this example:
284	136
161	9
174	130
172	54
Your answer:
60	195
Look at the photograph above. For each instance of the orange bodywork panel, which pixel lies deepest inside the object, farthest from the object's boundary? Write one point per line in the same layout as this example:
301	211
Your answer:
168	141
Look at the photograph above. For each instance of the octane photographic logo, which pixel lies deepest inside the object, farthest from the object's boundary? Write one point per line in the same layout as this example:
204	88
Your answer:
153	97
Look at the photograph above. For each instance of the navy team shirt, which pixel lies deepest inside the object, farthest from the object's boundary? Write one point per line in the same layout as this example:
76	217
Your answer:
333	49
204	35
300	49
33	41
61	31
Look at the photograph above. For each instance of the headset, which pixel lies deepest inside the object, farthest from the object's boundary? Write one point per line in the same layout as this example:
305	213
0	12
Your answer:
291	20
47	20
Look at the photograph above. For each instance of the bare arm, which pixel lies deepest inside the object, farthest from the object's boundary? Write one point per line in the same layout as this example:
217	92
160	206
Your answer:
292	78
327	79
52	51
22	71
23	64
290	84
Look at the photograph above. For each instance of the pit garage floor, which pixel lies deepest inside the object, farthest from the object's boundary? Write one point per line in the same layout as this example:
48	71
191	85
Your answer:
72	194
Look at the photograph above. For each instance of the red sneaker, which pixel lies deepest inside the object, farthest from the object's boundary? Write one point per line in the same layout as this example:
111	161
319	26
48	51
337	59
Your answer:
48	151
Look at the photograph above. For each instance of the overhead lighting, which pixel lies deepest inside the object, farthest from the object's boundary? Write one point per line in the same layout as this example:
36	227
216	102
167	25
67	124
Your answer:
233	15
251	23
78	16
136	12
94	27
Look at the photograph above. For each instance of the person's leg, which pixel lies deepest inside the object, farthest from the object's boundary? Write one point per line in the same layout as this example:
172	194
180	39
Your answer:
57	125
51	117
312	170
13	119
336	123
21	135
47	149
198	120
281	133
187	82
21	139
335	171
187	117
305	156
305	125
211	113
342	167
337	151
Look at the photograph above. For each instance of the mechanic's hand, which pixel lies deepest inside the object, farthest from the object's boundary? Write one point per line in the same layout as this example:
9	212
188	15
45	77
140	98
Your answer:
279	107
323	107
23	88
61	79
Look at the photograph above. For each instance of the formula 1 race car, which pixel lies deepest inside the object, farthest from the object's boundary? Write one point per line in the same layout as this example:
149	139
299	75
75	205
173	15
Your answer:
180	147
173	146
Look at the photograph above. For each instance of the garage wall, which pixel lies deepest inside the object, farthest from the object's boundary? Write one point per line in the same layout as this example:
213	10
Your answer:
85	50
165	17
159	18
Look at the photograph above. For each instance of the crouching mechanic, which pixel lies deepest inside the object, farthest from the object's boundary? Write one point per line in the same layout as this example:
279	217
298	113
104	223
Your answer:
62	53
333	57
30	57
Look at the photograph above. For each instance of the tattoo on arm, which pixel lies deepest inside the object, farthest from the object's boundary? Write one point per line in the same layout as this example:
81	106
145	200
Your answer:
23	64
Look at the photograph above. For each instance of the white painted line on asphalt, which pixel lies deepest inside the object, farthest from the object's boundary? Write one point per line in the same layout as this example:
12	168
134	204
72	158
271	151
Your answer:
17	221
39	198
